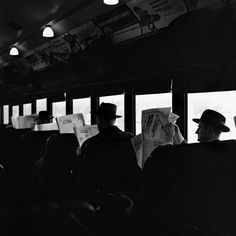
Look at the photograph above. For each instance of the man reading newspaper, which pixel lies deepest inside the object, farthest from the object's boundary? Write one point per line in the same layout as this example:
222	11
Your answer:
158	129
105	119
107	161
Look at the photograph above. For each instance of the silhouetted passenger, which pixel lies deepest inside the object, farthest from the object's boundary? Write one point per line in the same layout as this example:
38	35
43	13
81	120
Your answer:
172	135
107	162
105	119
44	117
210	126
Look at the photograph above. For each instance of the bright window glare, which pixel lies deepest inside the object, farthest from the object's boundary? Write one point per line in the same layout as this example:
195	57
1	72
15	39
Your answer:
41	105
15	111
6	114
118	100
82	105
27	109
150	101
58	109
223	102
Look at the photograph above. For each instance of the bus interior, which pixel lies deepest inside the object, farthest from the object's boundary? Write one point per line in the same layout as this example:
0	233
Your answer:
137	54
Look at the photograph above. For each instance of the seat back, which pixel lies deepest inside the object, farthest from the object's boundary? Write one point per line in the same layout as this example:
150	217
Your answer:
56	168
10	139
32	148
110	165
61	150
193	184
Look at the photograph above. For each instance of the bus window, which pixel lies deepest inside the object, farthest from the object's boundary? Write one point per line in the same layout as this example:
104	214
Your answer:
5	114
15	111
58	109
41	105
82	105
27	109
222	102
118	100
149	101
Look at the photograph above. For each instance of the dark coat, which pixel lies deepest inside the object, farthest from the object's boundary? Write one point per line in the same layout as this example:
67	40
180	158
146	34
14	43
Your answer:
108	163
108	132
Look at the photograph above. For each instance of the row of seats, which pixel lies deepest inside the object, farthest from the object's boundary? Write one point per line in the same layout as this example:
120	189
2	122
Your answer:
27	148
188	189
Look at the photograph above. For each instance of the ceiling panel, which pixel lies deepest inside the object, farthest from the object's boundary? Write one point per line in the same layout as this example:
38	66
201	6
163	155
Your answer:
20	19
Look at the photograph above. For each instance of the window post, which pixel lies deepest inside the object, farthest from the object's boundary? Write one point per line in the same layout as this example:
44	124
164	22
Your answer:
69	106
130	112
179	103
94	106
33	107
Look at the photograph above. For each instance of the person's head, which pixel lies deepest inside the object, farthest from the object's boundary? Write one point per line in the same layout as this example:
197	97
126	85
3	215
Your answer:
210	126
106	115
43	118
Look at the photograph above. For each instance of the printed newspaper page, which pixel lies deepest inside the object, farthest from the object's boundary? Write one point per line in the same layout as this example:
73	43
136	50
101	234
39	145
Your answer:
66	123
153	128
137	142
83	133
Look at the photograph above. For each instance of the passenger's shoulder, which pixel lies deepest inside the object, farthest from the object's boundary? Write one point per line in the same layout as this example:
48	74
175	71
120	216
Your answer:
89	141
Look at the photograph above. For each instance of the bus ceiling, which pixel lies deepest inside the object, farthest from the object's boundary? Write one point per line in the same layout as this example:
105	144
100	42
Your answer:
94	42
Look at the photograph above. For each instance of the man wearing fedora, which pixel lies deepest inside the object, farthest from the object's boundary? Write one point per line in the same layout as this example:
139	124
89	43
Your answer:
210	126
114	161
44	117
105	119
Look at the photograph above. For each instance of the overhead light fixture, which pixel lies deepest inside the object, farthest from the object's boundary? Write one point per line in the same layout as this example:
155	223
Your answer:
48	32
14	51
110	2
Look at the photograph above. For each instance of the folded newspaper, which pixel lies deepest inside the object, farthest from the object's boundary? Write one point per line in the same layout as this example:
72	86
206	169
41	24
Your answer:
153	132
83	133
24	122
66	123
137	142
46	127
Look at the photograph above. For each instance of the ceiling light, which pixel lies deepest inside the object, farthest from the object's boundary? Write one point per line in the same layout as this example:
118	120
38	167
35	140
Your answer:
14	51
110	2
48	32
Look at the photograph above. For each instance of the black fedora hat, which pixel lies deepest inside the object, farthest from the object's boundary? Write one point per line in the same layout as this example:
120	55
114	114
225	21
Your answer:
107	110
44	115
213	118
